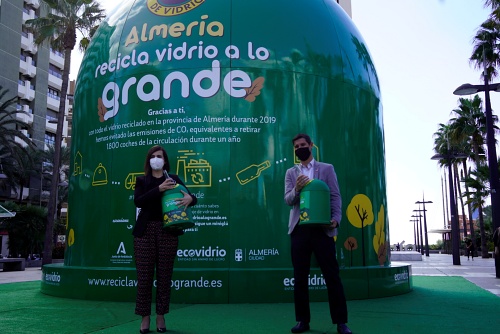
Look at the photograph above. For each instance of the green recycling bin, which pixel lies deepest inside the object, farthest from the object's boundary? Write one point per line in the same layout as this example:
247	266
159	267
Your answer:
315	203
173	215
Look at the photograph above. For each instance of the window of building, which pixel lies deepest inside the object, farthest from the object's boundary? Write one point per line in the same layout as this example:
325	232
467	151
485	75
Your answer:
53	93
55	71
50	138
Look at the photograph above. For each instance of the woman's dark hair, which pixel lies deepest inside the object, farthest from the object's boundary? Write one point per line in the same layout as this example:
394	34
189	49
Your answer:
147	166
302	135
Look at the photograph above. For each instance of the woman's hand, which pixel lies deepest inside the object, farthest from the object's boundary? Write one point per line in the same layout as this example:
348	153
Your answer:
167	185
185	201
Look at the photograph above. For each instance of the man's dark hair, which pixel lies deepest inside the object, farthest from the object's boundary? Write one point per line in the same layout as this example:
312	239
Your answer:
302	135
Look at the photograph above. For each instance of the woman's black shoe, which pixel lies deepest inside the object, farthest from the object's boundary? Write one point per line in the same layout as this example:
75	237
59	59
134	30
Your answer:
161	330
144	331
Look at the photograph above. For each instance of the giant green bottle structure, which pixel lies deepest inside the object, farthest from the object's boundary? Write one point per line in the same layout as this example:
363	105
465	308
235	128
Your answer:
224	86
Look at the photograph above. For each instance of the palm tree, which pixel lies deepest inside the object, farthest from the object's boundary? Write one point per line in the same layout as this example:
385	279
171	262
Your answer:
9	124
485	52
445	144
493	4
469	127
477	182
10	149
59	27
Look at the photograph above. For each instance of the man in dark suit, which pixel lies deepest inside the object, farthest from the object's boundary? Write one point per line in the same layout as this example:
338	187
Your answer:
313	238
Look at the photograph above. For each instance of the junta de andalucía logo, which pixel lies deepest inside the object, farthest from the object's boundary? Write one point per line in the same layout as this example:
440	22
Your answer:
172	7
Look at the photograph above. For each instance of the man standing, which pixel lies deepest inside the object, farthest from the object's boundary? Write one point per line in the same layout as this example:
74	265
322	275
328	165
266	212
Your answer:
317	239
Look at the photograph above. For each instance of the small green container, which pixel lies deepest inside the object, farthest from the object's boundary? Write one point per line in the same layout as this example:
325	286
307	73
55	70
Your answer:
173	216
315	203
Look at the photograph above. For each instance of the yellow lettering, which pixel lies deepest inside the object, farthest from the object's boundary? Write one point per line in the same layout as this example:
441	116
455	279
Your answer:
218	32
132	37
176	29
190	27
162	30
144	38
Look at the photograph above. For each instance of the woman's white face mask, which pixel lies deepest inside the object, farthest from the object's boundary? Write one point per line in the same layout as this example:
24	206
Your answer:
156	163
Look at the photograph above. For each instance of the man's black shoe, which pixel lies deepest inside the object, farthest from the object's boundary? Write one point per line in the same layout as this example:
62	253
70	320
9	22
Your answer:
300	327
343	329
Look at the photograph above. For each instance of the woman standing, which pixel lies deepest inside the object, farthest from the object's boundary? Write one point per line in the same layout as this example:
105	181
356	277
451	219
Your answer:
155	247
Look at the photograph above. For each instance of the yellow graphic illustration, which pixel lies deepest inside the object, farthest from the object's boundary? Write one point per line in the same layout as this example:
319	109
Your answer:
175	217
304	216
379	243
360	215
196	172
130	180
71	237
360	211
315	154
252	172
100	176
77	164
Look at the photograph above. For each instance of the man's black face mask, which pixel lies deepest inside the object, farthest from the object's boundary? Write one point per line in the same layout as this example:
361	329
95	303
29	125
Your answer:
303	153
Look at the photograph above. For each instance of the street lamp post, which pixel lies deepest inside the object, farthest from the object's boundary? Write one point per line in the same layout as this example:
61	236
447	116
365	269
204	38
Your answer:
418	247
415	232
455	232
423	202
468	89
422	245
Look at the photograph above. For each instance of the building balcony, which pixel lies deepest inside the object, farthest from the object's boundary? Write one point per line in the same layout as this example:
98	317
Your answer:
50	127
34	3
53	102
20	141
28	14
28	43
54	81
26	67
56	58
25	117
25	90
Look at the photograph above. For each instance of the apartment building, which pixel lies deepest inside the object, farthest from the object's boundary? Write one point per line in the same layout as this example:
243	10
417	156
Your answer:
346	5
34	74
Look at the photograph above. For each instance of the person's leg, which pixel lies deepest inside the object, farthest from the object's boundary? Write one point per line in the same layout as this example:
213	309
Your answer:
167	250
301	260
325	252
144	253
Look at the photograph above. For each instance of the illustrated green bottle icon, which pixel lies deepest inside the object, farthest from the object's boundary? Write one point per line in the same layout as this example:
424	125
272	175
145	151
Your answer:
252	172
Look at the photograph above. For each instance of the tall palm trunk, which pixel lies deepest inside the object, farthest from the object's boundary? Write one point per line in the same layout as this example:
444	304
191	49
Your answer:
459	190
484	249
70	41
469	205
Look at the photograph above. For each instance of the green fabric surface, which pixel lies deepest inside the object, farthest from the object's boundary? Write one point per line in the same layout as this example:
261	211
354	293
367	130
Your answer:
436	305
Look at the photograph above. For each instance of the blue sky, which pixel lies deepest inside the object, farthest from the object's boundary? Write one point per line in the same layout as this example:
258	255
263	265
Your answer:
420	50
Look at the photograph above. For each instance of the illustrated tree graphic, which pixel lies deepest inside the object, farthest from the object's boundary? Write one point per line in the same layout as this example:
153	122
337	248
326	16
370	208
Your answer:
360	214
379	242
351	244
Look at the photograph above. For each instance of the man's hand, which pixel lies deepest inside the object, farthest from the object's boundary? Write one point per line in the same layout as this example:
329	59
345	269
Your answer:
301	182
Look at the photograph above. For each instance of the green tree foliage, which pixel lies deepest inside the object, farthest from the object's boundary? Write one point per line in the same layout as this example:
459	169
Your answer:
26	230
